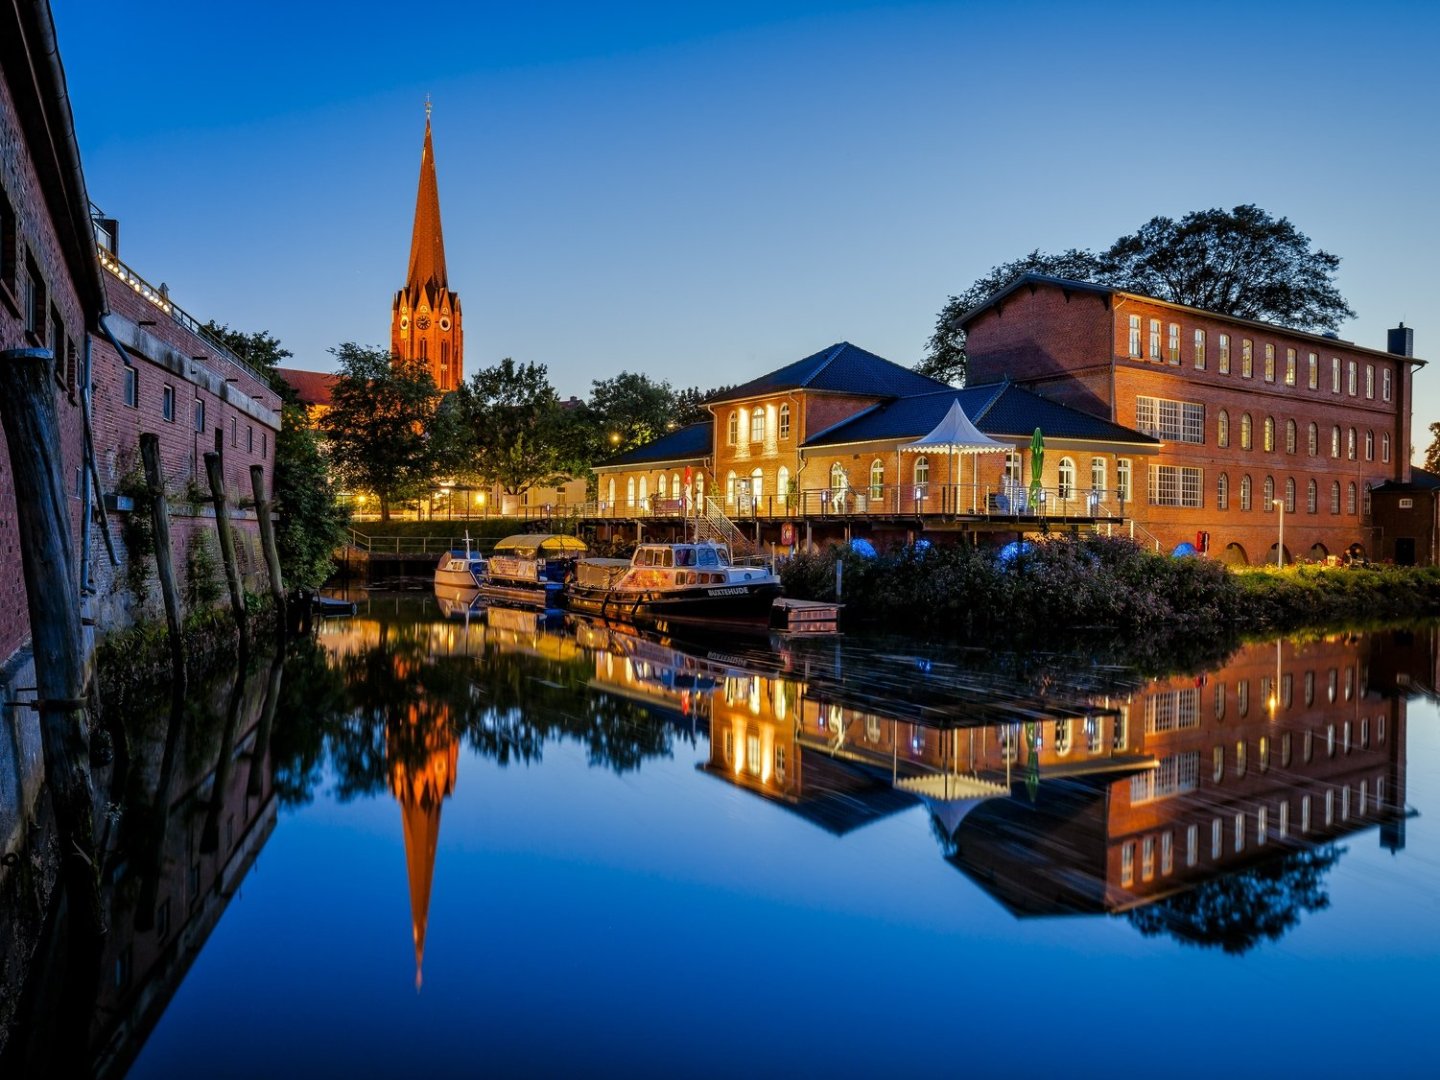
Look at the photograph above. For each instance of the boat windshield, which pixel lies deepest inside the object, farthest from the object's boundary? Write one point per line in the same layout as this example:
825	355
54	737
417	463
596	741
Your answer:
707	556
684	556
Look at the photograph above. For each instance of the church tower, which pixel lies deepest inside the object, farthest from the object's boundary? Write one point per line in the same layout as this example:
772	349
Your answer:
425	320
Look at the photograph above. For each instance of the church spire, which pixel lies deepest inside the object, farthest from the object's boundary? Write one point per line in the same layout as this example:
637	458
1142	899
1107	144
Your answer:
427	244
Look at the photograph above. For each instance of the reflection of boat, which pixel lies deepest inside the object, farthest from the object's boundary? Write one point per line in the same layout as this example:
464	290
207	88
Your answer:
459	572
458	603
694	581
531	568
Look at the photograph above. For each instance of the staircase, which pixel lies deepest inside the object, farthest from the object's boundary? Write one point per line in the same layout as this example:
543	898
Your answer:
712	524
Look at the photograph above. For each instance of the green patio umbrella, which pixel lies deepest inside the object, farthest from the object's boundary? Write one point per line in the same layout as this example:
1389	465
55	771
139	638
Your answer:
1037	467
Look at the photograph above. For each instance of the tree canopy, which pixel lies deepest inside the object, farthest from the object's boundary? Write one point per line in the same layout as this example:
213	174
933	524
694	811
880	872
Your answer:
1241	262
382	411
506	425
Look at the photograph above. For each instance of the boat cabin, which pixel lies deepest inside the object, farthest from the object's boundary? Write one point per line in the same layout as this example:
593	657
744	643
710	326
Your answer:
700	555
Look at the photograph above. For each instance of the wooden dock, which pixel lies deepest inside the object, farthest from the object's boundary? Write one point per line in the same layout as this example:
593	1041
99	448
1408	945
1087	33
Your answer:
805	616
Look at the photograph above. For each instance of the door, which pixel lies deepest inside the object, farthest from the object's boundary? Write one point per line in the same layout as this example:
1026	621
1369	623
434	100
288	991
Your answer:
1404	551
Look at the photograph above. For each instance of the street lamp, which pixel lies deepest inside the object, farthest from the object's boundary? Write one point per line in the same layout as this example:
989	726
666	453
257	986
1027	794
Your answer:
614	438
1280	547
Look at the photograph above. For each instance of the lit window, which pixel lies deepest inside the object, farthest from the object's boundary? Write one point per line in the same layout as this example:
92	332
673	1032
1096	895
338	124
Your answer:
1312	438
1200	350
784	421
757	424
1154	339
1291	436
1224	354
1222	428
1312	500
1066	479
1335	441
1352	380
1174	343
734	428
1351	499
1127	864
1147	859
1335	374
1312	378
922	476
1247	358
1350	449
1135	336
1269	362
1245	492
1290	366
1247	436
1290	495
1222	492
1269	434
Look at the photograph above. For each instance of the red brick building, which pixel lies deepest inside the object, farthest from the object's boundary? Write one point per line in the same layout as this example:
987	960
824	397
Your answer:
1246	411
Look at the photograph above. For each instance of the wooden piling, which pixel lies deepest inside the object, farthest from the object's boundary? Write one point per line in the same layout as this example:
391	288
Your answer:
225	765
215	472
267	541
42	518
259	755
164	561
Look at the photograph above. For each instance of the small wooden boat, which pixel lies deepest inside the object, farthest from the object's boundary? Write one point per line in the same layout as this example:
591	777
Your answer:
531	568
696	582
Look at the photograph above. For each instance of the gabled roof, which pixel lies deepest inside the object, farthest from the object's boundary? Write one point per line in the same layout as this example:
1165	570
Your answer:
1032	280
1420	480
311	387
997	409
841	369
692	441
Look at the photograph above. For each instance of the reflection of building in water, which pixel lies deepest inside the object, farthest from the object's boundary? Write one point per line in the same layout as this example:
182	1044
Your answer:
423	753
1121	804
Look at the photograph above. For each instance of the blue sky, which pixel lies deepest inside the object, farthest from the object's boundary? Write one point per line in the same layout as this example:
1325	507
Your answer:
705	191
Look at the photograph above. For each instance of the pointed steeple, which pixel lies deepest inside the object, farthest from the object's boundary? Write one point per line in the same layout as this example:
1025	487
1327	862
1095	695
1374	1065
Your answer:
427	244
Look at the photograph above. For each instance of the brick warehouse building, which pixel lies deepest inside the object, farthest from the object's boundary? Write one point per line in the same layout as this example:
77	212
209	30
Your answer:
1244	409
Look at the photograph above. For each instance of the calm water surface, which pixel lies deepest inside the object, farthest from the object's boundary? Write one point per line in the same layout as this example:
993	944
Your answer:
501	846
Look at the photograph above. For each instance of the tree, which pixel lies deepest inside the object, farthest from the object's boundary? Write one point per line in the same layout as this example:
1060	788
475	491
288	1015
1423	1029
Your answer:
312	521
633	407
1239	262
382	411
946	358
690	404
1432	452
510	428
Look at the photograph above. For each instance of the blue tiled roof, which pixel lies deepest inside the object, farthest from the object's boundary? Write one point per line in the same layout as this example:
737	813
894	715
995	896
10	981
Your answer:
841	369
1420	480
997	409
694	441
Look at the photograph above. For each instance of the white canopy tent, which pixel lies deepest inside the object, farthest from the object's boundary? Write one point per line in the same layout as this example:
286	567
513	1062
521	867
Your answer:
954	435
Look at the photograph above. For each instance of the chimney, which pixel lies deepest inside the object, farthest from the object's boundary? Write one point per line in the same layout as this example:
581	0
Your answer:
1400	340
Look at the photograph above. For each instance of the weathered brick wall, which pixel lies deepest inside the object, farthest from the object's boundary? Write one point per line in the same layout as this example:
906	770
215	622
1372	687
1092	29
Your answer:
38	237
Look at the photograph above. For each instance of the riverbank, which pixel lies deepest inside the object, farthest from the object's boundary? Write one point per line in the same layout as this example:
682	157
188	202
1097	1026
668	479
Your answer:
1063	586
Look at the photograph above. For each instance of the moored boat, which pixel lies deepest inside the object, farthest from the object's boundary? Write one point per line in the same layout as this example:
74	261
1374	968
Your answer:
696	582
531	568
459	574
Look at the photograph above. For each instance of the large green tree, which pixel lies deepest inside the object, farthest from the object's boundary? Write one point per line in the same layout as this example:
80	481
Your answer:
311	520
1241	262
628	411
379	425
506	426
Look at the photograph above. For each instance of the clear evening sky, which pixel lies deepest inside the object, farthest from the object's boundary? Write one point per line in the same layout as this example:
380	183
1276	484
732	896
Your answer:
704	191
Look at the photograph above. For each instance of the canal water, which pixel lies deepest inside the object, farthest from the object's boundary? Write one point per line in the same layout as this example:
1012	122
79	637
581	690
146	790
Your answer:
494	844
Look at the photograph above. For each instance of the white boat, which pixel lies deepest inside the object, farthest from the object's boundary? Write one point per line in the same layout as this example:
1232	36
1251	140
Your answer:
460	572
690	581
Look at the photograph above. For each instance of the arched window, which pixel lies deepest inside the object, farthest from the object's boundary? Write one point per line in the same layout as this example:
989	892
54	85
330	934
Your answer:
922	474
1335	441
734	430
1312	438
1222	428
1097	476
1268	501
424	348
1222	492
610	492
444	365
630	491
1335	497
730	487
1384	447
1350	444
1365	508
1351	506
1066	487
877	479
662	487
784	421
675	492
782	481
1369	446
1290	436
644	491
757	484
700	488
837	478
1269	433
1312	498
1290	495
1245	492
1246	434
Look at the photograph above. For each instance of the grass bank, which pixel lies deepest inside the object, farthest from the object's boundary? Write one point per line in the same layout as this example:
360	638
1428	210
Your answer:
1061	587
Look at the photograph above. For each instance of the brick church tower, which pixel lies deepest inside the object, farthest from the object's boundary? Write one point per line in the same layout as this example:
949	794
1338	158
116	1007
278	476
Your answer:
425	319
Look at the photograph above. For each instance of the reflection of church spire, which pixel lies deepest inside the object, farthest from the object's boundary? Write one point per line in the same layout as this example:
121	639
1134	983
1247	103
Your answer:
420	788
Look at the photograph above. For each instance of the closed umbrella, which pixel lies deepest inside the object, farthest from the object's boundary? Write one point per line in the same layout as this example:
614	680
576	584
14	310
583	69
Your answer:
1037	466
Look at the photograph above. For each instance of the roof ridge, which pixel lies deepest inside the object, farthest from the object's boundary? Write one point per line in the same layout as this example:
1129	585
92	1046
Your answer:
835	351
999	393
852	417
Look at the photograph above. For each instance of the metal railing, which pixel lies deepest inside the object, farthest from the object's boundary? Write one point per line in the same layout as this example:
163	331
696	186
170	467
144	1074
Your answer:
161	300
417	545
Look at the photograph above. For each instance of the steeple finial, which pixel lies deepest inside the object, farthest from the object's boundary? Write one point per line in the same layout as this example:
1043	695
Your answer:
427	108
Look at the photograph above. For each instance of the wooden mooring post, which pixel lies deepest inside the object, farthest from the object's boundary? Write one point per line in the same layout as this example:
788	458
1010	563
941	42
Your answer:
267	541
215	473
52	594
164	561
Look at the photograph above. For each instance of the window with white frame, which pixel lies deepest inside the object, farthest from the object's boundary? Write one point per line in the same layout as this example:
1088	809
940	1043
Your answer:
1385	384
1350	444
1384	446
1135	336
1335	441
1222	428
1267	502
1269	362
1172	710
922	475
1192	845
1369	445
1247	432
1370	381
877	479
1066	479
1175	485
784	421
1154	339
1312	374
1199	350
1175	775
1247	358
734	428
1291	434
1312	497
1174	343
1335	497
1290	367
1222	492
1224	360
1335	374
1351	499
1352	378
1174	421
1124	473
1312	438
1269	434
132	387
757	424
1290	495
1097	476
1245	492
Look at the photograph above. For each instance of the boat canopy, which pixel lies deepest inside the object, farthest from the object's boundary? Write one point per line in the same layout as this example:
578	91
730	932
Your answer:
540	545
